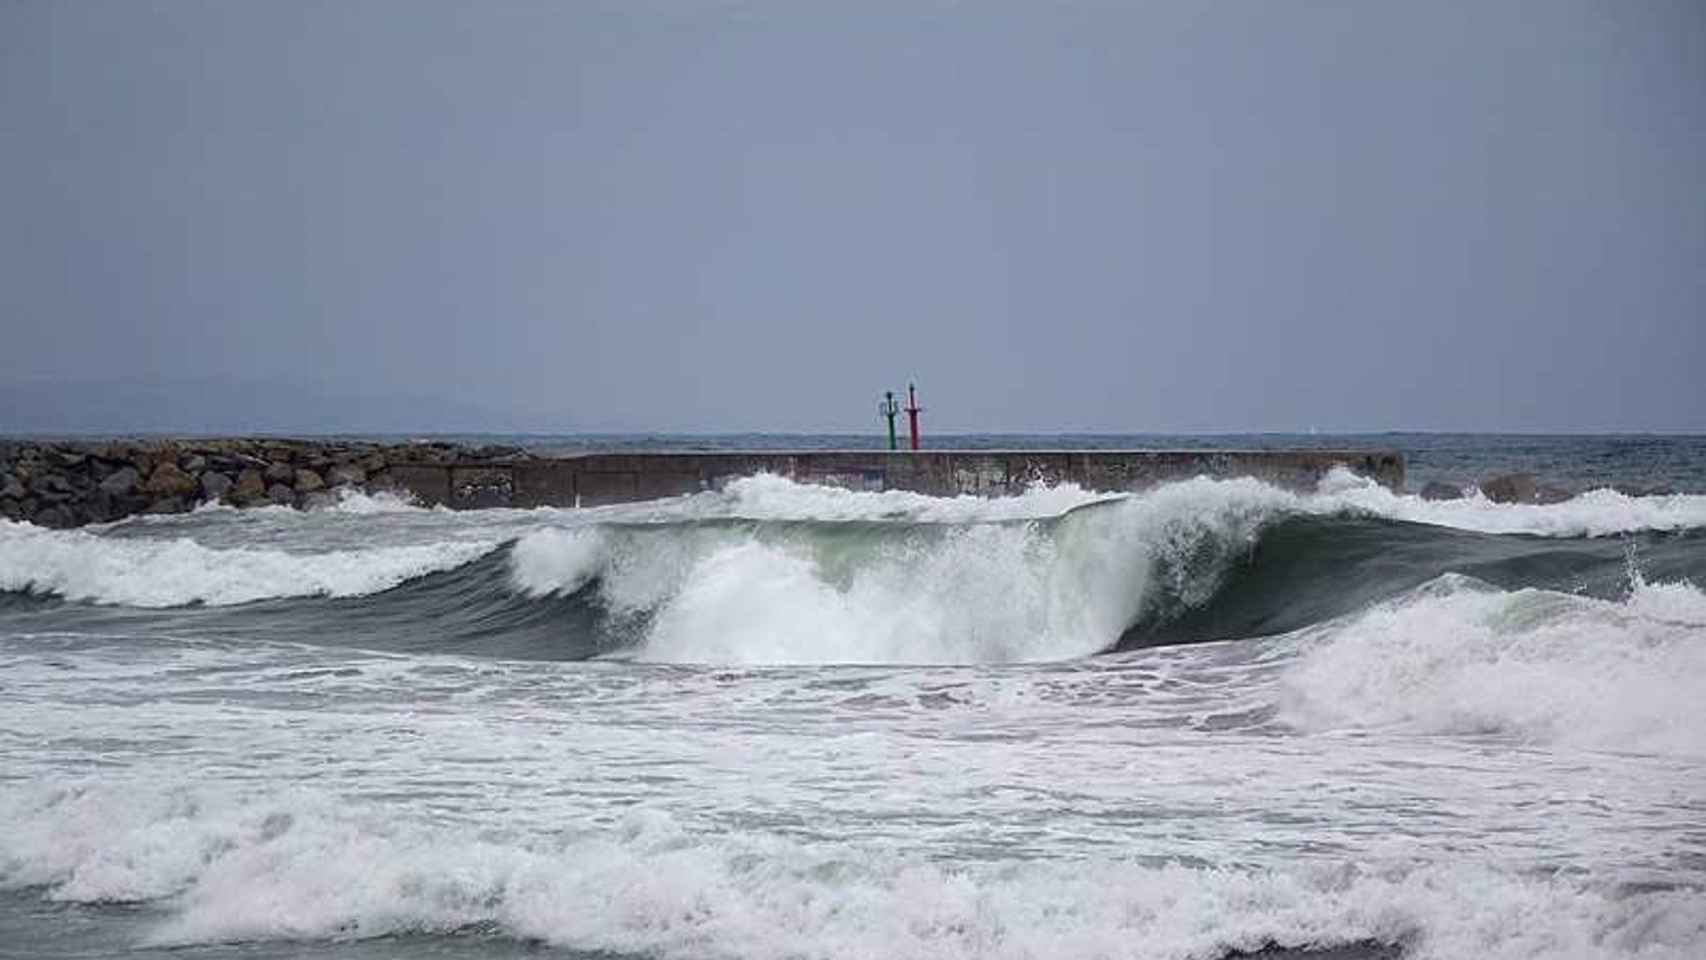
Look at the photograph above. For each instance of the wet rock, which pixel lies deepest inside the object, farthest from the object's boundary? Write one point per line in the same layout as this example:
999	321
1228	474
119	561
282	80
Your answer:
10	509
1435	490
103	507
1510	488
307	481
346	475
373	463
251	487
52	487
214	485
120	482
59	516
280	471
1522	488
166	505
319	500
280	494
170	481
193	463
11	487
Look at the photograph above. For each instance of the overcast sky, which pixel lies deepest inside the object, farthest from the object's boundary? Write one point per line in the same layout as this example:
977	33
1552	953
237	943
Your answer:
728	216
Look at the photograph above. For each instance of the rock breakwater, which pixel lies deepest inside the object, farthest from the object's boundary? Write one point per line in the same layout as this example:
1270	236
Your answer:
73	482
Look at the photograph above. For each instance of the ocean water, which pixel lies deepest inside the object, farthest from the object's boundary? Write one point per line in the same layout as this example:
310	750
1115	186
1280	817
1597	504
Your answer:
777	721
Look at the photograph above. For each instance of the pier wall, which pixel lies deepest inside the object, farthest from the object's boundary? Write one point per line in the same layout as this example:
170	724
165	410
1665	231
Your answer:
597	479
67	483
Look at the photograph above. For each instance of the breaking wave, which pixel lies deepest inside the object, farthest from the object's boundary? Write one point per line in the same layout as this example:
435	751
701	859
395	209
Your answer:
1458	656
769	571
78	565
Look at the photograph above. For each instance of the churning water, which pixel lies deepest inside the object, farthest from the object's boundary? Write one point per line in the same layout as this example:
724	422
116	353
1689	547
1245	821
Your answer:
779	721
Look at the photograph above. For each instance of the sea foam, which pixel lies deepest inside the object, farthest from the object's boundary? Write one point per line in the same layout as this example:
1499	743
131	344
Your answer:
303	866
1459	656
963	593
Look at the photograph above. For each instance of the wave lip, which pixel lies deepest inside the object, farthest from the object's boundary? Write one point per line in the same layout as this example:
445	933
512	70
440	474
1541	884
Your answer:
1596	513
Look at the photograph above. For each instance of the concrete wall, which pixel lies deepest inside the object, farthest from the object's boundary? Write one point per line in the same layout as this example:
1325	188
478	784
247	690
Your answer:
595	479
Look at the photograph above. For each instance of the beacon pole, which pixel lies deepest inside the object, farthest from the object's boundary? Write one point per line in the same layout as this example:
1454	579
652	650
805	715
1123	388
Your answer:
912	411
887	407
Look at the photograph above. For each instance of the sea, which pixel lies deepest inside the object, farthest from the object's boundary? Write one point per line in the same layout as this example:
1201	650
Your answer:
1213	719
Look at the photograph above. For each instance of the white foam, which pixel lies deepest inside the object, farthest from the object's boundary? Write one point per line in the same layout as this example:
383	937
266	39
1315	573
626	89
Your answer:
164	573
980	592
771	497
300	866
1596	513
351	500
1458	656
972	593
556	560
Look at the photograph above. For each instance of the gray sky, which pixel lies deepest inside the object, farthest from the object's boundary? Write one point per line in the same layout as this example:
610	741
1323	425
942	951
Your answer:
723	216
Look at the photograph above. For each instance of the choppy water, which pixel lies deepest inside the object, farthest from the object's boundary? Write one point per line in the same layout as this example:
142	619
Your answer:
780	721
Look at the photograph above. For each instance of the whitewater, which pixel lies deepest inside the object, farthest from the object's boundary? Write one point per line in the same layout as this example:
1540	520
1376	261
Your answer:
779	721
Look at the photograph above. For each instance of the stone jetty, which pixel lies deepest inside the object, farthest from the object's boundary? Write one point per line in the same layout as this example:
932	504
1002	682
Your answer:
69	483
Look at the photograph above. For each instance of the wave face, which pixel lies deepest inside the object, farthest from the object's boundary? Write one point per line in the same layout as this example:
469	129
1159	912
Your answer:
773	572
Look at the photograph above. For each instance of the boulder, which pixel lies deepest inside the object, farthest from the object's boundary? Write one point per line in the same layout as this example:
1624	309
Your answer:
59	516
193	463
1546	493
251	486
307	481
51	486
280	494
1510	488
346	475
103	507
214	486
11	487
120	481
166	504
169	480
280	471
1434	490
319	500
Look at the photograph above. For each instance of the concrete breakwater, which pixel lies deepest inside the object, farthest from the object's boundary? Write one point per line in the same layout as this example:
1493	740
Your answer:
69	483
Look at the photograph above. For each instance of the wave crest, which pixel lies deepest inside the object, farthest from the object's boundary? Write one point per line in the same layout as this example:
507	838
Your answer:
153	572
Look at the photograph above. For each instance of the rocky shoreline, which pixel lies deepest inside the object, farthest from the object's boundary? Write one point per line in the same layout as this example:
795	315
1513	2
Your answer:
70	483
